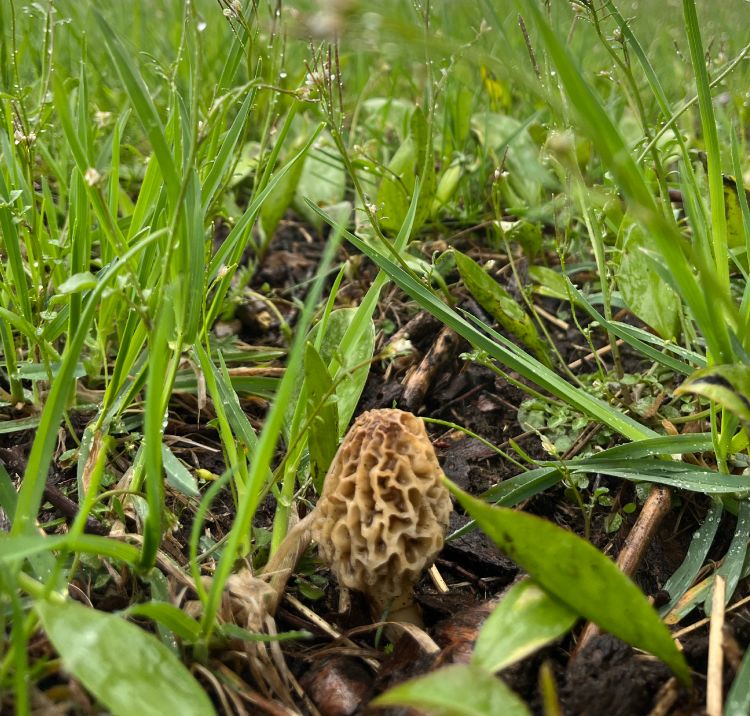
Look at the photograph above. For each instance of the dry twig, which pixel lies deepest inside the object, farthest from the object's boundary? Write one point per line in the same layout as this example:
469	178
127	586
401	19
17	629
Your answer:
418	382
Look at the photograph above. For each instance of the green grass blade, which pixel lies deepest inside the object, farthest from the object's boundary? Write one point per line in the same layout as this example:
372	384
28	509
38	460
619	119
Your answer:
662	445
711	138
190	259
263	453
153	427
687	572
13	549
8	494
734	560
169	616
224	158
12	245
144	107
233	243
683	476
37	466
625	332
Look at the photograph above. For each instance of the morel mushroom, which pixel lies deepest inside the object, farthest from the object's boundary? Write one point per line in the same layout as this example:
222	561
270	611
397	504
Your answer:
383	512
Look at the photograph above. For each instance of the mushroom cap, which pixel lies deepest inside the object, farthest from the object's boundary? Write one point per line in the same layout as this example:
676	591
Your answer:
383	512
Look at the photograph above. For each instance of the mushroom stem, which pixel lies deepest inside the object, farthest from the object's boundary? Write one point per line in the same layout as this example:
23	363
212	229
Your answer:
404	611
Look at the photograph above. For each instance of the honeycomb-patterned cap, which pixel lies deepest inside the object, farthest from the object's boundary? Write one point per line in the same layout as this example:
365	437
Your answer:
383	512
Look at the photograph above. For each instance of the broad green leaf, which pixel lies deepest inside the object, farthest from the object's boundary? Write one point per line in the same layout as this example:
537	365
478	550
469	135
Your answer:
323	180
397	185
728	385
246	164
77	282
168	616
279	200
461	104
525	620
509	140
323	437
387	114
580	576
550	282
127	669
393	197
526	233
177	474
494	299
446	186
458	690
233	631
645	293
